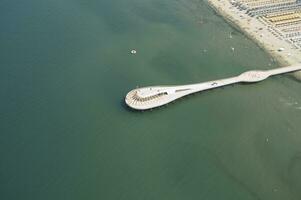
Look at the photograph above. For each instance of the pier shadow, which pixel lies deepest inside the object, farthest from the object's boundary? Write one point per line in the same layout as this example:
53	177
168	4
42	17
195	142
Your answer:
132	110
295	79
127	108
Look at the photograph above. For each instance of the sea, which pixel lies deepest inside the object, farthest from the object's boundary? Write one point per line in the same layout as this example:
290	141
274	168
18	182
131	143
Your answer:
66	133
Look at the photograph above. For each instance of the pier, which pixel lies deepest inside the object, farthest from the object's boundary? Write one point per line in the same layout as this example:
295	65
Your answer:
155	96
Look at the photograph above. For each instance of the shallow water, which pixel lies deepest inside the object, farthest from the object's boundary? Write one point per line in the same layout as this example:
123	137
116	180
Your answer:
66	133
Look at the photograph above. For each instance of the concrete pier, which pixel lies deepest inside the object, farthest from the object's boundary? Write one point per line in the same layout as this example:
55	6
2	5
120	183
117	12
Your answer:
155	96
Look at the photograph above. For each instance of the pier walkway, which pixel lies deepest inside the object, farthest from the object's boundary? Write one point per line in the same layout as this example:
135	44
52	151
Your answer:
155	96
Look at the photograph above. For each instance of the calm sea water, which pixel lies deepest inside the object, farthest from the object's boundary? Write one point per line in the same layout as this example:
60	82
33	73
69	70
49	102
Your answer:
65	67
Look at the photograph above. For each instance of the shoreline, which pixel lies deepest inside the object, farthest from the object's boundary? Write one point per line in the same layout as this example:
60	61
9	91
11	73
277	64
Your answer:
259	33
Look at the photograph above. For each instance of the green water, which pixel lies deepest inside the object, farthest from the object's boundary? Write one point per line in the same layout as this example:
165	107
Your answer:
65	132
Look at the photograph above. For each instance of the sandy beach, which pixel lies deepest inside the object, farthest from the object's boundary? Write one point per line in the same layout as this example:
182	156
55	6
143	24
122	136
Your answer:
255	29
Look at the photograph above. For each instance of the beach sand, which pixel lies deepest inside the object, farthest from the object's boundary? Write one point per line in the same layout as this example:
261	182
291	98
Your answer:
258	31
